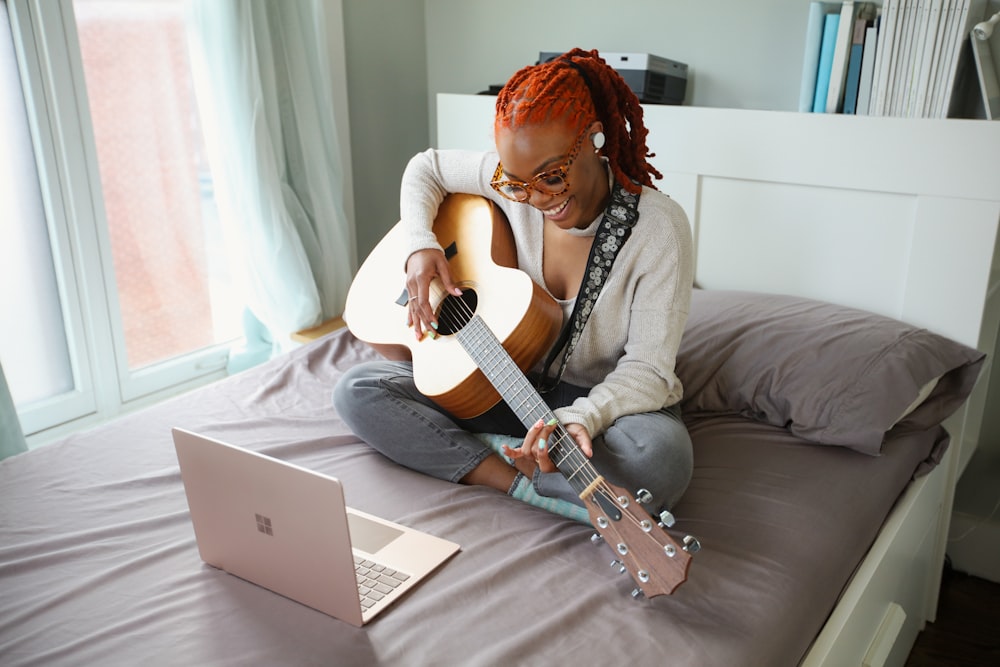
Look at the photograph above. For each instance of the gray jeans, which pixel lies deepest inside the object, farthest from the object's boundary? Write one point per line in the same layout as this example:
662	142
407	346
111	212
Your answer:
380	402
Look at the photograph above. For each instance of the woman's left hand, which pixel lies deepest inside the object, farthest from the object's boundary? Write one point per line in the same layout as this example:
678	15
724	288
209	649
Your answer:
535	448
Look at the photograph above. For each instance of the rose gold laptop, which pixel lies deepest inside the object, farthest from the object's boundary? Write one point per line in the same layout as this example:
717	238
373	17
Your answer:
287	529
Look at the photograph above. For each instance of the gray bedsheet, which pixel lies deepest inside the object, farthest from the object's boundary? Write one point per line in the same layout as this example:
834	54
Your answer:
98	563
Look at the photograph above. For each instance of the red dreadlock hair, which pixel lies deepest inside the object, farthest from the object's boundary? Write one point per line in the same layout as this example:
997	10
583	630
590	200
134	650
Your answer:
580	87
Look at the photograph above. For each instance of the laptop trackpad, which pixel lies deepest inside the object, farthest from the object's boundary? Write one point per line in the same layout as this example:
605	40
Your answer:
369	536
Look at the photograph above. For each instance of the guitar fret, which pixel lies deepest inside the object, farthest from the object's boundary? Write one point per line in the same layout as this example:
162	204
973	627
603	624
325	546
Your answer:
561	460
576	472
521	404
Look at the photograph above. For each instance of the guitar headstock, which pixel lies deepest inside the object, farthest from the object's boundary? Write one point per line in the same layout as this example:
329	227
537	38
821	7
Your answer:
641	545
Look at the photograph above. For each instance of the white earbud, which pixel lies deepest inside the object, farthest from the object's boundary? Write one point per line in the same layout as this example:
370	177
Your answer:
598	139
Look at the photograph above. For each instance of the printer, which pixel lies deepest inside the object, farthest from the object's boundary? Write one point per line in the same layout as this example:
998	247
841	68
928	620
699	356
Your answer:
653	79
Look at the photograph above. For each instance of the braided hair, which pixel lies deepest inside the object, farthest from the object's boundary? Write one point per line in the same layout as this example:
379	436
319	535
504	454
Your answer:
580	87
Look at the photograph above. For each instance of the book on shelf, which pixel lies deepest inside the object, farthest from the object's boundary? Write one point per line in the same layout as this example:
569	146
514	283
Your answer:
831	23
883	57
867	70
810	58
865	18
838	68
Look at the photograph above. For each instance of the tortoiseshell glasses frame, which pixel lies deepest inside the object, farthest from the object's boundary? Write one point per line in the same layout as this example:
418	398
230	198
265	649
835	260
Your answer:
551	181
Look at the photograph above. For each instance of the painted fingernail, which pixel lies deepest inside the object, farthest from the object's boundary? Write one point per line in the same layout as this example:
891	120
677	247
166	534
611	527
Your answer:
552	422
542	444
435	325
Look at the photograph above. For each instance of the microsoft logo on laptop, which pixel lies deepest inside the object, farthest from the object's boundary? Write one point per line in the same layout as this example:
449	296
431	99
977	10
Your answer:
264	525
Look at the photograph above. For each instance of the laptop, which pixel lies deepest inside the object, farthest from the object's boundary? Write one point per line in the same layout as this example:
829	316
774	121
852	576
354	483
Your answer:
287	529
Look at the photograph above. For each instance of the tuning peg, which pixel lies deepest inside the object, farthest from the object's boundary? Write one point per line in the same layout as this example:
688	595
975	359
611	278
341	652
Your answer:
596	538
691	544
636	593
620	565
643	496
666	519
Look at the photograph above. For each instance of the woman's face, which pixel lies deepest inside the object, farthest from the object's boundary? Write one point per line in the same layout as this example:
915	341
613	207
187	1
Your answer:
533	149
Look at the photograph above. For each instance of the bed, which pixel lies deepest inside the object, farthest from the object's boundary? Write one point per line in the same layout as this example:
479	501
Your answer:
814	395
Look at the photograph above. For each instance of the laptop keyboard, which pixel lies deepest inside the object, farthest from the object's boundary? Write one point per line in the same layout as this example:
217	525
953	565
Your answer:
375	581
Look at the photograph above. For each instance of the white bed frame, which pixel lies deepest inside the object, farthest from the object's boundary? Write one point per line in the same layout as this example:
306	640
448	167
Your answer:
896	216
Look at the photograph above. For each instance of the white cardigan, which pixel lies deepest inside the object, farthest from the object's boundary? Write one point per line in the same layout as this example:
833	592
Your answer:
627	352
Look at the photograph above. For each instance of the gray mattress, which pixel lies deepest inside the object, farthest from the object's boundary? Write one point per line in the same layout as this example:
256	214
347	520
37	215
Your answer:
98	562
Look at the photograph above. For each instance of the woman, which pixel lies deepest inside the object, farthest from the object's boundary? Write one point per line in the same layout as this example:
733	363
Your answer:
570	154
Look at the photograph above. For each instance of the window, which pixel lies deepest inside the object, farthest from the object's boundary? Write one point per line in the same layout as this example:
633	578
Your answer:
156	187
113	222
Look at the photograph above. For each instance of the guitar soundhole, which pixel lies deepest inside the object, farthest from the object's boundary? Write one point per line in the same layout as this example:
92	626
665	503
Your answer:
456	311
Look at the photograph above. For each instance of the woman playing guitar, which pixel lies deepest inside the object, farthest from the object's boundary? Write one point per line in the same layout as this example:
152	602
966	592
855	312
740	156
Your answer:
570	153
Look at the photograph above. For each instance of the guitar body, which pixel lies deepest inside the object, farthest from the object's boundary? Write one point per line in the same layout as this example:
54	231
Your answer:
483	261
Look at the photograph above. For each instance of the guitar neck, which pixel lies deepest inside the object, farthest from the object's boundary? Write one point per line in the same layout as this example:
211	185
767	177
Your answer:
521	396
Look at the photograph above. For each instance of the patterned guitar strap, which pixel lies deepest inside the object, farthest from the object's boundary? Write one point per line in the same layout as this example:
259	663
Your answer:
619	218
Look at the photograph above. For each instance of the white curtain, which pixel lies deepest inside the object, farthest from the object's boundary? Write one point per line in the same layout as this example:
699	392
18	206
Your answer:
265	96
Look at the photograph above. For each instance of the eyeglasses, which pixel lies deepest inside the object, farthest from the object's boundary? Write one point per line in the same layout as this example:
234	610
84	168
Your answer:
550	182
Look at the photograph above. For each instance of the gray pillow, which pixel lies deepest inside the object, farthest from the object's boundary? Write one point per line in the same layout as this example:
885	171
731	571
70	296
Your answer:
830	374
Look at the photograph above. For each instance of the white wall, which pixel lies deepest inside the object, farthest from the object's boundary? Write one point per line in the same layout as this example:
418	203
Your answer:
744	55
387	95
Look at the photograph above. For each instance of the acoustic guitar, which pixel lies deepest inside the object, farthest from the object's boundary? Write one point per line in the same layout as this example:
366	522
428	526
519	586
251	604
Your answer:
501	325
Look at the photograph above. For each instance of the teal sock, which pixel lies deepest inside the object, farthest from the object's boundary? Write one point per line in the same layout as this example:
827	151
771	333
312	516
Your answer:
495	441
523	490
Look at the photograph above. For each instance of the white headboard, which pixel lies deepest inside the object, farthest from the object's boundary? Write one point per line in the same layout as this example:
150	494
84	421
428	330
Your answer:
896	216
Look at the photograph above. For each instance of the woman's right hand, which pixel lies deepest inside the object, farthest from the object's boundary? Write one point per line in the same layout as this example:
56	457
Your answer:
422	267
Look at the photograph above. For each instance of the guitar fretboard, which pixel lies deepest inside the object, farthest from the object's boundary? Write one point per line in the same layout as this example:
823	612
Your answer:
503	373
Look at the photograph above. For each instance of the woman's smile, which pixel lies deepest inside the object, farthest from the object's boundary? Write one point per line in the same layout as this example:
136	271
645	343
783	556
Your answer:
559	212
